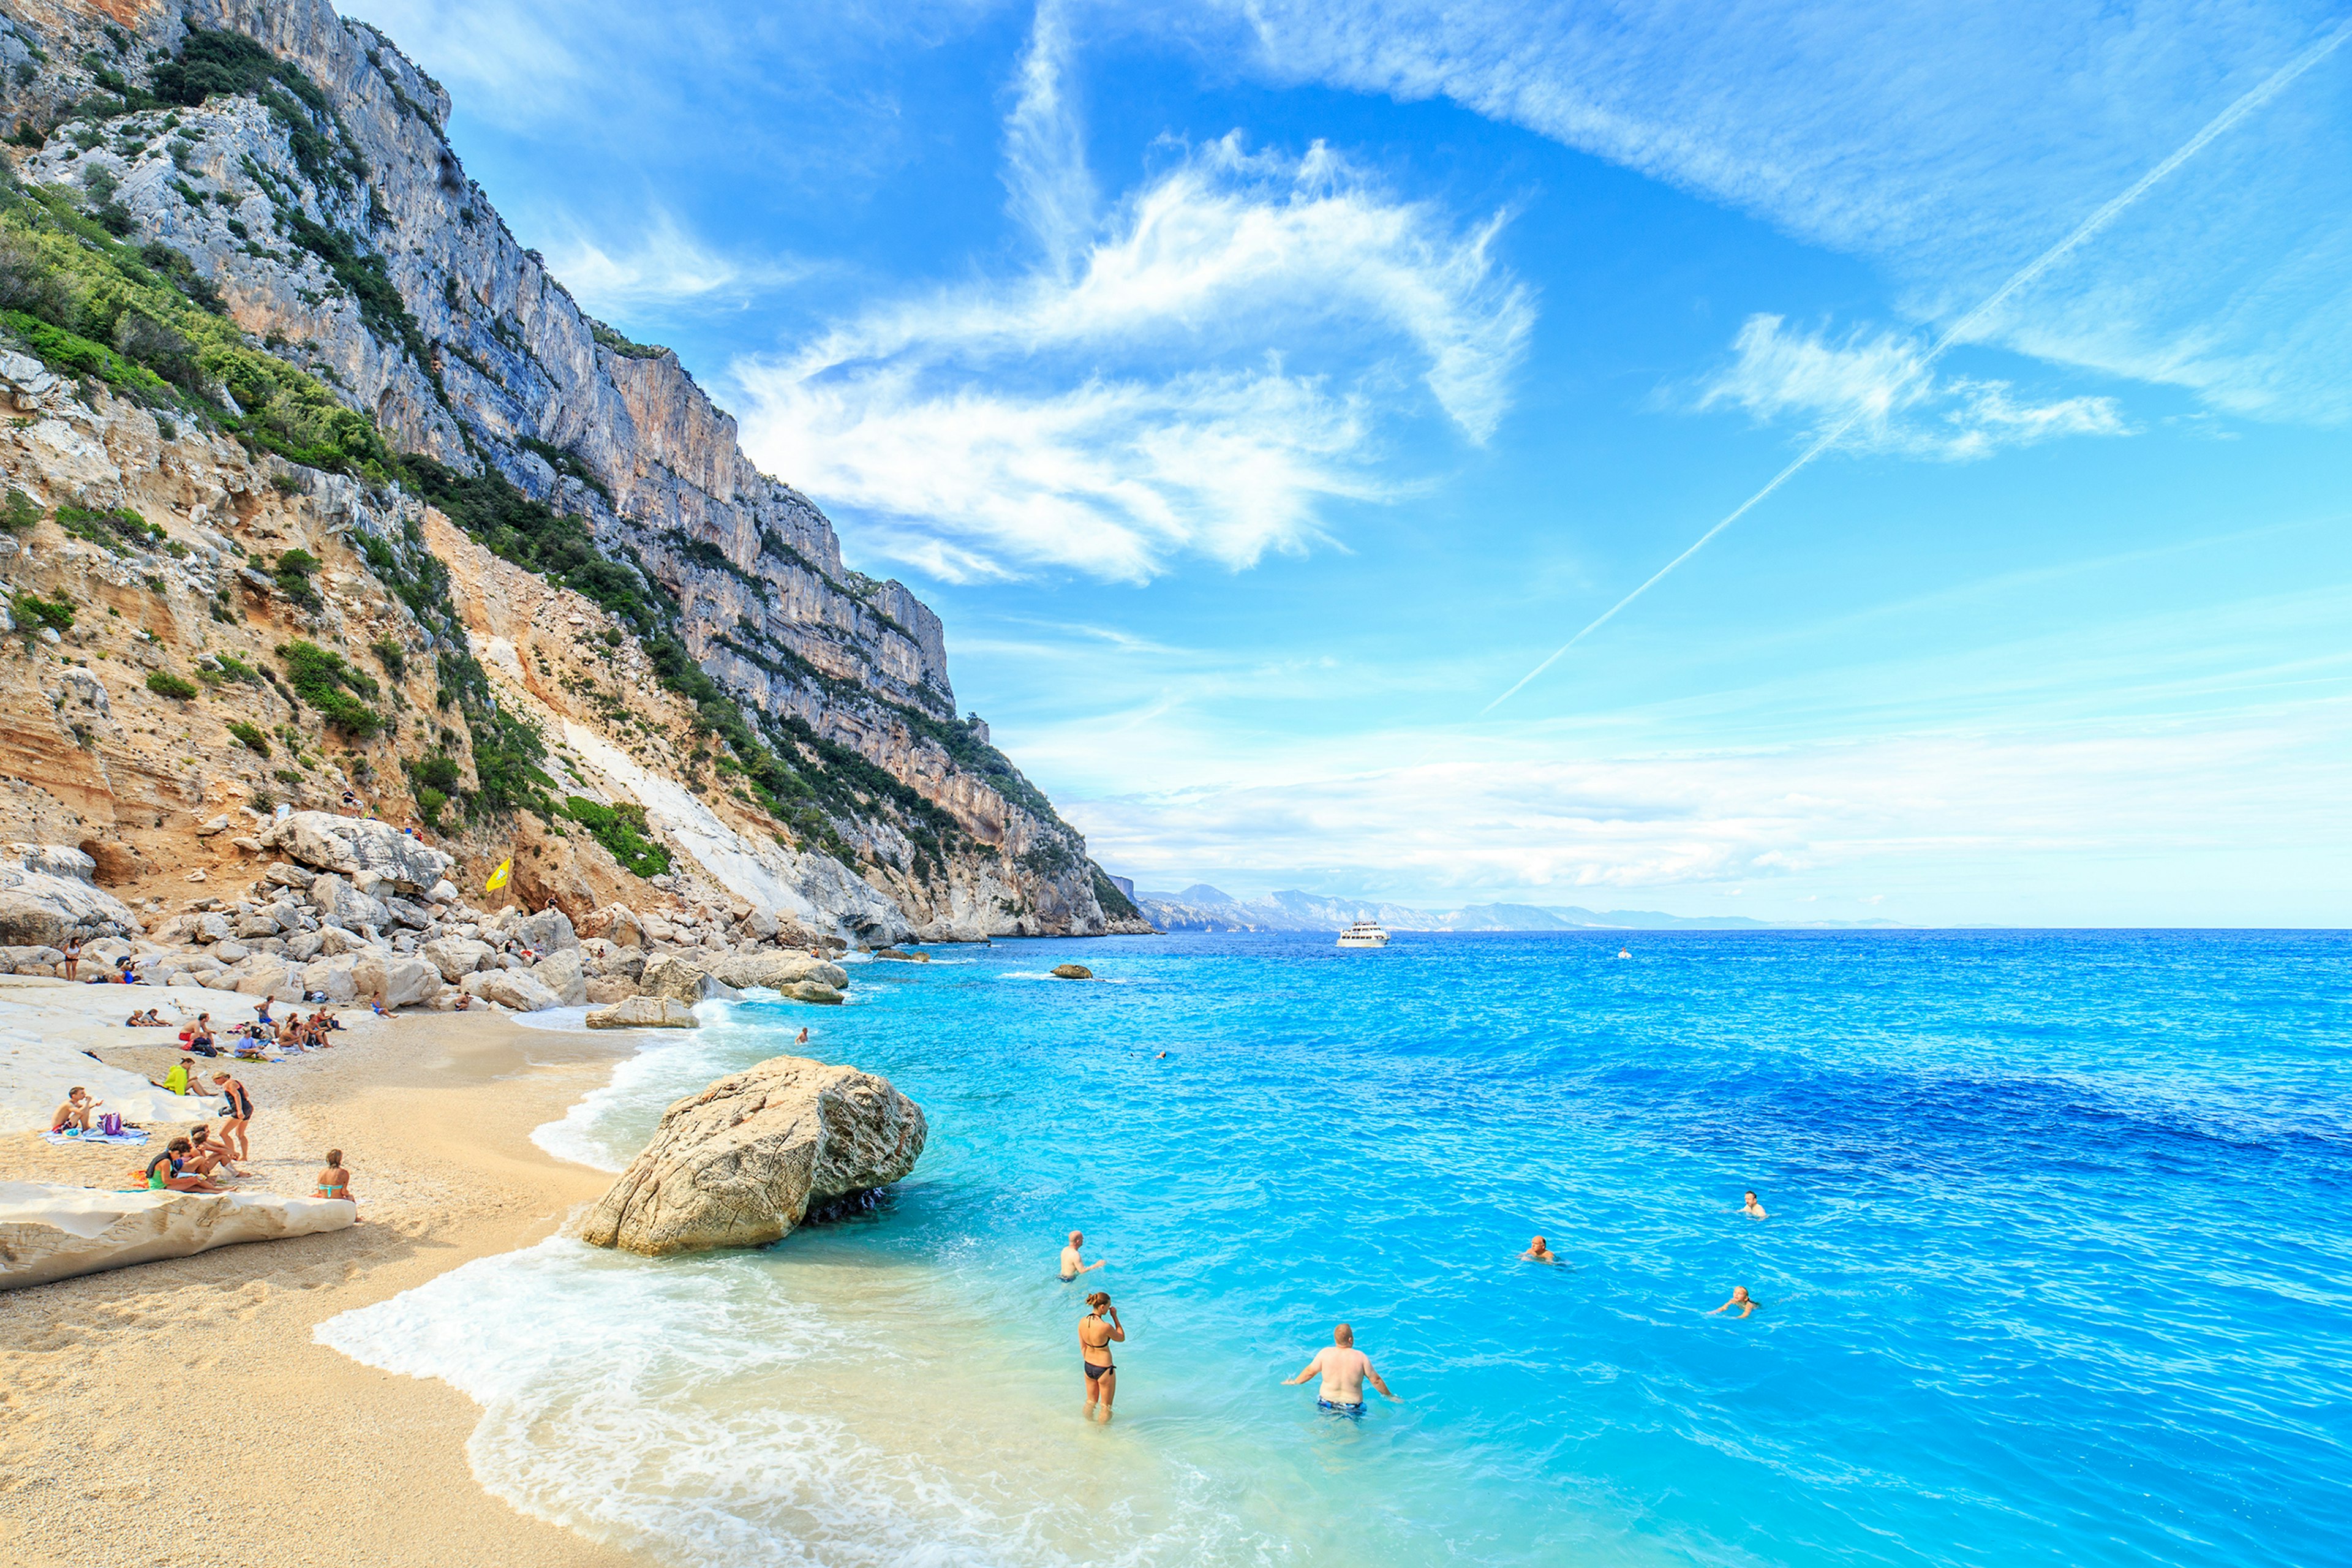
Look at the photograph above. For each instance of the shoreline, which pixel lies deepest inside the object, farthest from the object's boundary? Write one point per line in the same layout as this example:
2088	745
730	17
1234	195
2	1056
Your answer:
182	1404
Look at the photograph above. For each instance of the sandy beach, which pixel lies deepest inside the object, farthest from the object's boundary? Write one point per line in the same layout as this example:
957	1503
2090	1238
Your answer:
179	1412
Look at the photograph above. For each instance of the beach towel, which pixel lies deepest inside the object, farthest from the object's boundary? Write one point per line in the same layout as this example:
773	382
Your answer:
124	1137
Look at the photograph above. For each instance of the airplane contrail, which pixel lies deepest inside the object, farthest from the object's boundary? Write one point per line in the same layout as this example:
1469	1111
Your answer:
2253	99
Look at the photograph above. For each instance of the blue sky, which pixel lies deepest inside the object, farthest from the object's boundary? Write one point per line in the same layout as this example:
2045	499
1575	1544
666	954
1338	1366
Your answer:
1261	391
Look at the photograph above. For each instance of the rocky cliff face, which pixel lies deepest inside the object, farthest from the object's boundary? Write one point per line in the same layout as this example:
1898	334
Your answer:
284	303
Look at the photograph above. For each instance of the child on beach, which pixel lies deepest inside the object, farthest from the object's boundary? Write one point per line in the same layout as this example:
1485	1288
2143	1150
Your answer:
207	1153
76	1111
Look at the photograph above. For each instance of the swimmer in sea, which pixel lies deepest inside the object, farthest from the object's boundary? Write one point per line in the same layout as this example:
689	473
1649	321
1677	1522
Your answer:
1539	1251
1625	953
801	1039
1344	1369
1740	1300
1753	1209
1072	1264
1096	1333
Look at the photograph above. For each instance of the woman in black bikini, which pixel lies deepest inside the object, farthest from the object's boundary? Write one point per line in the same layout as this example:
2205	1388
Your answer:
1096	1333
236	1117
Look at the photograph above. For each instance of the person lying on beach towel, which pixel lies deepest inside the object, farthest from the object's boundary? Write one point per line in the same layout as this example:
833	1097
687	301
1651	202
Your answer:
76	1111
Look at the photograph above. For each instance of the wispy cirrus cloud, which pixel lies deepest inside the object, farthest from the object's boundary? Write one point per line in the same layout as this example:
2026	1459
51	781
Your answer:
1948	144
1907	404
1203	369
665	269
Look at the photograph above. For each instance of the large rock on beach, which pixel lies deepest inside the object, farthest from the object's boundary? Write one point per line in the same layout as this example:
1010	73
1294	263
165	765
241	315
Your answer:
776	971
740	1163
643	1012
456	956
356	848
55	1232
549	930
396	979
561	973
514	989
682	981
45	895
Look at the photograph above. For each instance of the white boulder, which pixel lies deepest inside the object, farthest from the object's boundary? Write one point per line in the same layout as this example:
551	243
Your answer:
456	956
49	1232
740	1163
643	1012
354	846
512	988
561	973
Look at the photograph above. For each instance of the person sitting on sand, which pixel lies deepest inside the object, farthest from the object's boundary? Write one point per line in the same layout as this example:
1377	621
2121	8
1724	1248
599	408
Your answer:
1096	1333
76	1111
236	1117
1539	1251
1740	1300
177	1080
261	1011
201	1039
1344	1369
464	1001
1072	1264
207	1153
375	1005
163	1172
1753	1209
335	1182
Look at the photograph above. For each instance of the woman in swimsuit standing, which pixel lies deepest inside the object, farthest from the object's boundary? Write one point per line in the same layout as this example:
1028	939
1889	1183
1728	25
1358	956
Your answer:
72	955
1096	1333
236	1117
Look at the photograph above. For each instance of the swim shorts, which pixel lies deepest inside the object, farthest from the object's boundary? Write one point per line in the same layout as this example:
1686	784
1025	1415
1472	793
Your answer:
1355	1409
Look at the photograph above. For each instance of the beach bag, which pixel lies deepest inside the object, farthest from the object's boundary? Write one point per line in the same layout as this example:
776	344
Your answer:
110	1124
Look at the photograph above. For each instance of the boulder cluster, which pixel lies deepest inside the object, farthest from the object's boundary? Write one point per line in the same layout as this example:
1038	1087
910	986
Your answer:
357	911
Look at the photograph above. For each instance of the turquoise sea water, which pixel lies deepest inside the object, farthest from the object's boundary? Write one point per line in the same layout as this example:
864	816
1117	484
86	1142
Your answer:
2056	1269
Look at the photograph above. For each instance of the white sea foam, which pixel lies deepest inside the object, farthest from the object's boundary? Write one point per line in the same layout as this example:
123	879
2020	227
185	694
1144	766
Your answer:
747	1408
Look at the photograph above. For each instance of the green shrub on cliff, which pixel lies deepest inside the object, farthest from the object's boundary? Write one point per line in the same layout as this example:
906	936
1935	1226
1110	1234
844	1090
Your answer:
321	677
163	683
621	829
250	737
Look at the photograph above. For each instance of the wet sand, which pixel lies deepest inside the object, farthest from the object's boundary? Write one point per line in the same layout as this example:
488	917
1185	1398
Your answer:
178	1412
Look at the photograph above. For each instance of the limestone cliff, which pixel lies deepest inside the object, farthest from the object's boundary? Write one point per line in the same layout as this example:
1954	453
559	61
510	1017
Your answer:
278	317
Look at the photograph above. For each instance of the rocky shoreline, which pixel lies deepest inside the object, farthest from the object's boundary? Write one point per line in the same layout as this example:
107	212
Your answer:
356	911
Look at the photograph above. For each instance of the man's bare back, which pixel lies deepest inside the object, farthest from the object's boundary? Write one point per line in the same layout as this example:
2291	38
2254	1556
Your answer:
1344	1370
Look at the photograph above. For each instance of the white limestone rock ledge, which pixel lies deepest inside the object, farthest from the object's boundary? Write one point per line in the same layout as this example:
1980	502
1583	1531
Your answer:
49	1232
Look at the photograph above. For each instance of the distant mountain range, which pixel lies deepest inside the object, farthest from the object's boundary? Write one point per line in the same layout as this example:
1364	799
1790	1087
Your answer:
1204	908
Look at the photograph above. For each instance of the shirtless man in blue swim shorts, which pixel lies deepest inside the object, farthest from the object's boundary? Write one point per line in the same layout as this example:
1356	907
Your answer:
1345	1371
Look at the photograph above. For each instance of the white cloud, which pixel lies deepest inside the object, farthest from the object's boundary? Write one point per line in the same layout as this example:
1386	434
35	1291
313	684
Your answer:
1045	147
1949	143
1212	369
665	269
2038	826
1907	405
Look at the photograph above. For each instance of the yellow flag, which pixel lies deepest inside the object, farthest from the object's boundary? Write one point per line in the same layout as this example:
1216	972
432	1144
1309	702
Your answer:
499	878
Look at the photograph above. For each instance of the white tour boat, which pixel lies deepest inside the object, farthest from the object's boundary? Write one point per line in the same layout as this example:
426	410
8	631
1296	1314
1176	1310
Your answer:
1364	933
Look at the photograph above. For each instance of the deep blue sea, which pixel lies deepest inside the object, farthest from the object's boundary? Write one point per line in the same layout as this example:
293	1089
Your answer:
2058	1268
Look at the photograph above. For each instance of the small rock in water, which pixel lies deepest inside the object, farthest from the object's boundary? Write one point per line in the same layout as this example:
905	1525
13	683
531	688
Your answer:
1073	972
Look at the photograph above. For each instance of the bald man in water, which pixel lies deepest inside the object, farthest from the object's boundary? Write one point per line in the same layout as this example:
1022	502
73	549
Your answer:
1345	1371
1073	1264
